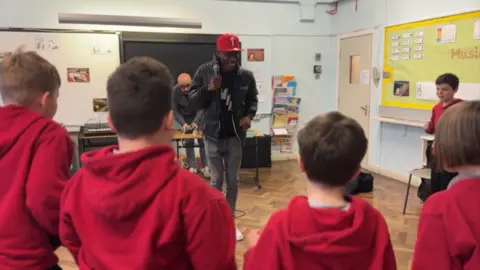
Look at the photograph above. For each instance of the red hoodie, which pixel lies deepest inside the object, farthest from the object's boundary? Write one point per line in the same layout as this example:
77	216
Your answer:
139	210
449	229
301	237
437	111
35	158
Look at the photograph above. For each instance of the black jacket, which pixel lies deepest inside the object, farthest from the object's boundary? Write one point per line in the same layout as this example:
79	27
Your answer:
183	110
244	99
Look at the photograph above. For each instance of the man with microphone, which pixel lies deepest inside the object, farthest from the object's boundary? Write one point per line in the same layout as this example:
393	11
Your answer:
227	94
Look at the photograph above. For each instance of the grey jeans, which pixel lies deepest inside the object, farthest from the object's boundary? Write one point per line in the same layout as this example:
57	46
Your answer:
224	159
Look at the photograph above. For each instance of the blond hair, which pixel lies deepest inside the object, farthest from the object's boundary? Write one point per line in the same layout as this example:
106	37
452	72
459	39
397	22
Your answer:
25	75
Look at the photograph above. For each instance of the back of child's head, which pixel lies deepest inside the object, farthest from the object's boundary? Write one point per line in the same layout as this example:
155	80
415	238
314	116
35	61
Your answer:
25	77
139	95
449	79
457	136
332	147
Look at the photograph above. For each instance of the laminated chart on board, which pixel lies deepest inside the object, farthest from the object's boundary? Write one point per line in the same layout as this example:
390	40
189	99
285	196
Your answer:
417	53
285	111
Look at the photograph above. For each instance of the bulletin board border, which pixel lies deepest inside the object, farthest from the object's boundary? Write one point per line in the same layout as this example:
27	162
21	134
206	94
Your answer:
387	68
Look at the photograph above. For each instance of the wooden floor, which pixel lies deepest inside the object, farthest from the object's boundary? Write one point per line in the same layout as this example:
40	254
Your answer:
284	181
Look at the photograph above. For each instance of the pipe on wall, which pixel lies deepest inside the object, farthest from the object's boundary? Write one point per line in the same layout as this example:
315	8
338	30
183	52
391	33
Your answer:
315	2
307	7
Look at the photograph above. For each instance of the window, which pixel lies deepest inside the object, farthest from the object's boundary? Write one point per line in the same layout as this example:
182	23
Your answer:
354	69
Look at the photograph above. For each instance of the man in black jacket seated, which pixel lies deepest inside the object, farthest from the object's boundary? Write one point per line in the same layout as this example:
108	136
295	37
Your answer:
227	94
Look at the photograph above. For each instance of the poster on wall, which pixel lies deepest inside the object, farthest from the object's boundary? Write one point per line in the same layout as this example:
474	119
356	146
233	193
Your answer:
401	88
100	105
256	55
446	33
476	29
78	75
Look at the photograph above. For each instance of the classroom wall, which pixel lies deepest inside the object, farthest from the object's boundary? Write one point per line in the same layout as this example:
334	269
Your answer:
293	43
394	148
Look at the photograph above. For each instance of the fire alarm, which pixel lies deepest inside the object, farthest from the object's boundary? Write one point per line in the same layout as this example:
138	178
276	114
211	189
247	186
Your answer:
317	69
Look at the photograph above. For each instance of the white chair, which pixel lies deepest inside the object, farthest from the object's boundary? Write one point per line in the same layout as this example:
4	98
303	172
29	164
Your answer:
421	173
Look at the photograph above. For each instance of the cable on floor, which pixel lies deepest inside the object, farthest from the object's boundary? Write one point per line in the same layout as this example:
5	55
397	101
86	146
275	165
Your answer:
242	213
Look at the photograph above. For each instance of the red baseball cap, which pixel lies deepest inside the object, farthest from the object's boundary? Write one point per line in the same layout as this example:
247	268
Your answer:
228	43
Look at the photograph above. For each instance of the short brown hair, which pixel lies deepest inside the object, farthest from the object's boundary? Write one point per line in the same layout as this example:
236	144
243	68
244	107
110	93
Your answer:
332	147
457	136
139	95
26	75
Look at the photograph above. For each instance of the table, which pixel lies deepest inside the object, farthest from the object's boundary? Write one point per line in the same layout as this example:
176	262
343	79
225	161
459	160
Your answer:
425	139
179	136
97	141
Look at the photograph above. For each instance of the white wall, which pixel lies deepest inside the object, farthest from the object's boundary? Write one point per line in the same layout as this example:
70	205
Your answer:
394	148
293	43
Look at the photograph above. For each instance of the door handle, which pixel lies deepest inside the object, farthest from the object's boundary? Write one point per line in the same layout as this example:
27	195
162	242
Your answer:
365	109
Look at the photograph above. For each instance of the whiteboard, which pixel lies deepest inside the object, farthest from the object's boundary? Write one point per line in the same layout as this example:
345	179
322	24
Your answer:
99	52
260	69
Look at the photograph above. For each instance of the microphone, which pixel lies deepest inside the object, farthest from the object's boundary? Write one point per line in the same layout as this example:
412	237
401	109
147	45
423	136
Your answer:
216	70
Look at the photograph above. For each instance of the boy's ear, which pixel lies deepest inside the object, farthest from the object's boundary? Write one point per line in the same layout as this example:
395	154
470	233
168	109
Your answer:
110	123
168	121
42	101
300	163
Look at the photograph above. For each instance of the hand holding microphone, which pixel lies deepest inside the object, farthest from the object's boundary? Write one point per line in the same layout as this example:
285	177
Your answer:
216	81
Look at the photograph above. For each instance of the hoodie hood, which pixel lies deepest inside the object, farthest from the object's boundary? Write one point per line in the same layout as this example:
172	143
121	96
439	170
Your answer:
120	185
18	122
333	233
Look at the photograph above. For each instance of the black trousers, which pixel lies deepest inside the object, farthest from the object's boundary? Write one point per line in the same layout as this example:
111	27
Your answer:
439	179
55	267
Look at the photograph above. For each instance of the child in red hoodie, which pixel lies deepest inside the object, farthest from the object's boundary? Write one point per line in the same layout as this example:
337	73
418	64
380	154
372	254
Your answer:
325	230
131	206
449	229
447	86
35	158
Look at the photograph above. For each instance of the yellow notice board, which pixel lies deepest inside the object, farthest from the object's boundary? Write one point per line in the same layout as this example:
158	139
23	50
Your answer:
416	53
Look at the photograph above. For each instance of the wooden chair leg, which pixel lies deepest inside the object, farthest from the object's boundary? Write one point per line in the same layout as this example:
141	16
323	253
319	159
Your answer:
406	195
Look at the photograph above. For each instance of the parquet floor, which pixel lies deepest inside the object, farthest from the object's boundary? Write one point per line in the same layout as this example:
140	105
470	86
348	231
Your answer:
284	181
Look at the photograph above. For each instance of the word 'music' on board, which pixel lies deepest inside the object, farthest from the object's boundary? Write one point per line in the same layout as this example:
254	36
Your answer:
468	53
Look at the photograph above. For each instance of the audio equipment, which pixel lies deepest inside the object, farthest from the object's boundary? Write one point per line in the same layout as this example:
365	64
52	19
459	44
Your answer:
97	129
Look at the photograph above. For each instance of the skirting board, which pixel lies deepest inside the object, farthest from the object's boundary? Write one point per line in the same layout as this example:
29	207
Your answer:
394	175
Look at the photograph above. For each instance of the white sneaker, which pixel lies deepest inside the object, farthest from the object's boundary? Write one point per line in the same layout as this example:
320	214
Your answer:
206	172
193	170
239	235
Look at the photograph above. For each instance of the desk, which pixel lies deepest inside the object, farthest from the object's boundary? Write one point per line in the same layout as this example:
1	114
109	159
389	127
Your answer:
85	142
425	139
179	136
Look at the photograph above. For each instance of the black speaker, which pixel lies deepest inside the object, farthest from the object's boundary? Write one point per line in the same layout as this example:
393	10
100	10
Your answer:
264	152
